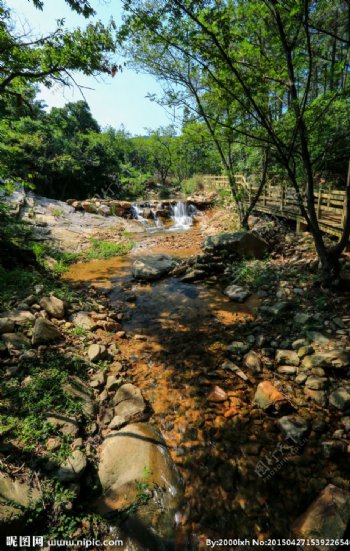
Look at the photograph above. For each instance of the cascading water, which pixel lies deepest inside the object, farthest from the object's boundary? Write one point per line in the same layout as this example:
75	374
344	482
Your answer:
182	215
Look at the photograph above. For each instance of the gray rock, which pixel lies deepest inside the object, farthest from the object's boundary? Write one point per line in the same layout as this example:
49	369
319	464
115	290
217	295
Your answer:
301	378
6	325
153	267
238	347
338	359
279	308
66	425
244	244
78	389
326	518
287	357
293	427
340	398
302	318
316	337
44	331
287	370
104	210
84	320
129	403
97	352
73	467
53	306
15	341
19	317
236	293
316	383
318	396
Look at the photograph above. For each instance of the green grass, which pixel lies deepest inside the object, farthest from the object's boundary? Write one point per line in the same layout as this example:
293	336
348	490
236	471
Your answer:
254	273
24	407
106	249
57	212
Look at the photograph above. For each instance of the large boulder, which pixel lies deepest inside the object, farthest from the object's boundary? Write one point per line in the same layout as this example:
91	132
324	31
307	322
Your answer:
149	268
44	331
136	457
326	518
243	244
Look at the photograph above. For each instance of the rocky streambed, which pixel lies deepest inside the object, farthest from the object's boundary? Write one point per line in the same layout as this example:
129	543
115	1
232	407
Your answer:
223	406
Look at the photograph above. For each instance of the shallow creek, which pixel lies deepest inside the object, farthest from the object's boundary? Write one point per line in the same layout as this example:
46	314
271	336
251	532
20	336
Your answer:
177	335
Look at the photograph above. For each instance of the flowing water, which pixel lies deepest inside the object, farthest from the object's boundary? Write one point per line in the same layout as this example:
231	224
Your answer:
181	216
177	336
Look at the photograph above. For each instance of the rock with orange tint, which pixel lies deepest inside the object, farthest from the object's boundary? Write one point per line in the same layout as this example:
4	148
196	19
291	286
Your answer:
326	518
217	395
269	398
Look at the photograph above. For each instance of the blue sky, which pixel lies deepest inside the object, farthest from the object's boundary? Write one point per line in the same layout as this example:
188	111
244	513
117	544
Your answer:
113	102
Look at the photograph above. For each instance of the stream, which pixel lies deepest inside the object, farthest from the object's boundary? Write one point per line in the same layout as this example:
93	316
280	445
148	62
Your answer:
177	334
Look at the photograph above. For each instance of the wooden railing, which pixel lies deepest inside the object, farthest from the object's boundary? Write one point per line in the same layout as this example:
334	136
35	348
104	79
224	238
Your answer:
282	201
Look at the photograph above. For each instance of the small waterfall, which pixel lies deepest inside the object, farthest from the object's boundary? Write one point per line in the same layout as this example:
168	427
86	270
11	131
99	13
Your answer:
182	215
136	214
157	222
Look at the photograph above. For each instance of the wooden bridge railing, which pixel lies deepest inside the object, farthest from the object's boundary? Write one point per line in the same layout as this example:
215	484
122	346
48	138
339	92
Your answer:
282	201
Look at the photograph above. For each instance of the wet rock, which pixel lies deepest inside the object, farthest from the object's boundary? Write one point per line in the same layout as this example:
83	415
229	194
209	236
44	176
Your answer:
269	398
153	267
128	403
252	361
326	518
138	455
15	499
316	383
230	366
217	395
84	320
73	467
97	352
338	359
244	244
44	331
287	357
15	341
305	351
236	293
293	427
340	398
53	306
